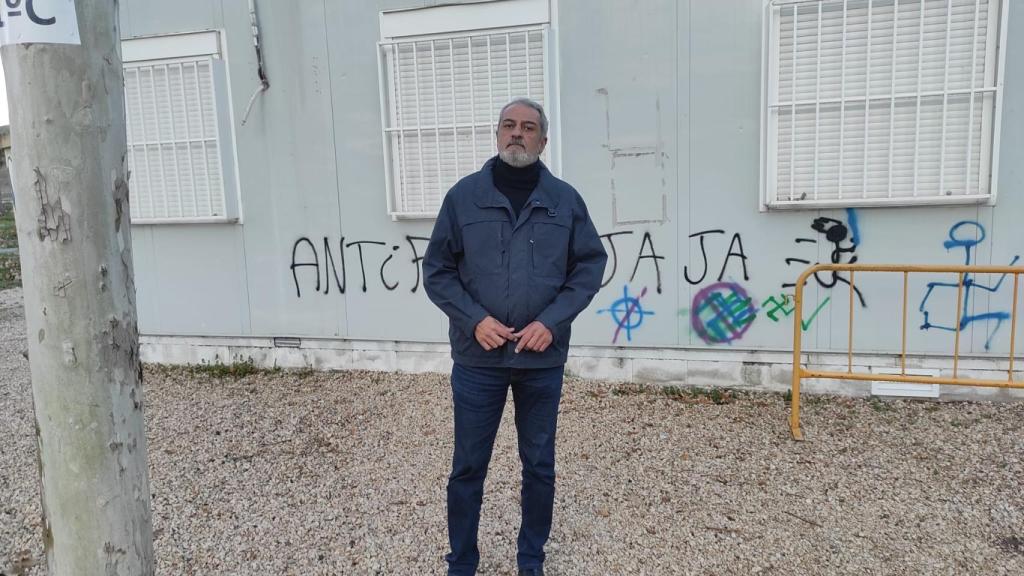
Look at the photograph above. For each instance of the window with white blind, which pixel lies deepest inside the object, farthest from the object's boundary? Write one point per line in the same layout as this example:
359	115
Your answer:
882	102
442	90
180	149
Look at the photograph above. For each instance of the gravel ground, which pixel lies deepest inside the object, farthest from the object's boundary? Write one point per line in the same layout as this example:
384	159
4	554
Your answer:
343	473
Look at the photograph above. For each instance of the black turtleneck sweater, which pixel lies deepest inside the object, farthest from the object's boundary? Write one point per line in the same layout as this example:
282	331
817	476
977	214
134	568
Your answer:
516	183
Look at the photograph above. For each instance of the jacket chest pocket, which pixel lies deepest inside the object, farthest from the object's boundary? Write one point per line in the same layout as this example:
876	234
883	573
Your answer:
483	246
549	249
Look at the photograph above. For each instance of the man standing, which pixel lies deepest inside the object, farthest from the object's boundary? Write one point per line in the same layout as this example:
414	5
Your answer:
513	258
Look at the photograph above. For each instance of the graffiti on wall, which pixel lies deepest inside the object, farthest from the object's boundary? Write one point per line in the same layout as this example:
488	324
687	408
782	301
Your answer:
776	305
319	265
781	306
306	258
844	238
722	313
724	318
646	252
968	235
735	251
627	313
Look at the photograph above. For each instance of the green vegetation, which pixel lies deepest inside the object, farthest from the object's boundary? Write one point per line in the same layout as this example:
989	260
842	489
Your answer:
630	390
235	370
238	369
879	405
8	234
697	394
10	267
10	271
694	395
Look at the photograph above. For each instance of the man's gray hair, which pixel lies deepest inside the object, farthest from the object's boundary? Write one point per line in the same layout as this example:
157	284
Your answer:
532	104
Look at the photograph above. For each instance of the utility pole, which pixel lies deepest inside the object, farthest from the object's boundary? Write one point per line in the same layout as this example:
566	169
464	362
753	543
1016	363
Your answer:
66	91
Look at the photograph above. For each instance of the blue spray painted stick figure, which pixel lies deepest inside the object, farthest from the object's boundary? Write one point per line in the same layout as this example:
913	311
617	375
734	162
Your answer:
958	239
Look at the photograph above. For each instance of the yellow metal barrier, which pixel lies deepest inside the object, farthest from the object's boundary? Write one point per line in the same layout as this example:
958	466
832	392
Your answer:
799	372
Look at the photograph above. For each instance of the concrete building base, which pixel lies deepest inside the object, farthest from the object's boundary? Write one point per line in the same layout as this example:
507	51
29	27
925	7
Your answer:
767	371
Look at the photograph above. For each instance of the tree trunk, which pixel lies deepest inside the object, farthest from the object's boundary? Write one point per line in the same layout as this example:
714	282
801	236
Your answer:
68	136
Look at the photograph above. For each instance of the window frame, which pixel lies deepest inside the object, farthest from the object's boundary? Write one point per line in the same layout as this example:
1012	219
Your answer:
989	152
185	48
464	21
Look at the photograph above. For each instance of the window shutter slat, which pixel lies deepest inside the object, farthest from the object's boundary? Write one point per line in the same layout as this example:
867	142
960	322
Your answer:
173	140
888	113
444	94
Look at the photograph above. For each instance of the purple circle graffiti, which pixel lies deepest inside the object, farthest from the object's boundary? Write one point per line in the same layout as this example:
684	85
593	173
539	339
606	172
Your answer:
722	312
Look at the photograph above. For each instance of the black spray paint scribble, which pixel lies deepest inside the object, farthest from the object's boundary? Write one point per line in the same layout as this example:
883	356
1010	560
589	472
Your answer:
613	256
310	258
735	244
837	233
328	261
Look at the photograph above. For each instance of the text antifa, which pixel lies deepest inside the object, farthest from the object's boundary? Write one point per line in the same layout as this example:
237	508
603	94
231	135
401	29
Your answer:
329	261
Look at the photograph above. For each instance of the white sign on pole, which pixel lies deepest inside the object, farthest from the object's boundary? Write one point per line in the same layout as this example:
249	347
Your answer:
38	21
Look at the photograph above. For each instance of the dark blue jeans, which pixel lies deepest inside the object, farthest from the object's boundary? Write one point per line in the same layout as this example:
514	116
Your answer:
478	395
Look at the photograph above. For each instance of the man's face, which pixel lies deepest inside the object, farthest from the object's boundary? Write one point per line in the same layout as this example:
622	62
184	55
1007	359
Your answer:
520	142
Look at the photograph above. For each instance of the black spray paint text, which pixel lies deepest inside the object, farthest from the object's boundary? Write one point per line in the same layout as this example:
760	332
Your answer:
330	261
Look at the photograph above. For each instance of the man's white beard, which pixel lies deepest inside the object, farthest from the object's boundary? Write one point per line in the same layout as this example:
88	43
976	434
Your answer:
517	158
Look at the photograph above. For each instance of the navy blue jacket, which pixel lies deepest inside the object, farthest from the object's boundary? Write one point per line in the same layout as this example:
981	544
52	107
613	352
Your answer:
481	261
